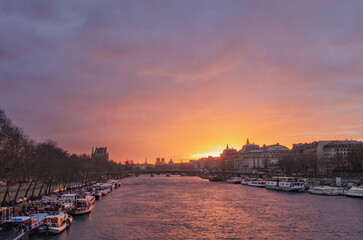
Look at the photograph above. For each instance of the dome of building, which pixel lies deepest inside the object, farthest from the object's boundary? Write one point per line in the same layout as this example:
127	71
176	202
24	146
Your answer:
250	147
228	151
275	147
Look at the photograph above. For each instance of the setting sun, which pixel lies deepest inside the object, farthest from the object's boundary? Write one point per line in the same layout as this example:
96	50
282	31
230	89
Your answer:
202	155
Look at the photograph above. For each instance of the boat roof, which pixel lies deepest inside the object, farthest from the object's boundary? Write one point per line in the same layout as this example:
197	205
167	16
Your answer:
69	195
82	200
20	219
39	216
60	215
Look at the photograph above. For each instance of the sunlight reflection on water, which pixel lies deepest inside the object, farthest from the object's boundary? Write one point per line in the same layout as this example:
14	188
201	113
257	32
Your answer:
192	208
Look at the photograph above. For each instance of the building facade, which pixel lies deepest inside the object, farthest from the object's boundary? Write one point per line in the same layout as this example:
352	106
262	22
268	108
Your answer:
319	158
229	159
338	156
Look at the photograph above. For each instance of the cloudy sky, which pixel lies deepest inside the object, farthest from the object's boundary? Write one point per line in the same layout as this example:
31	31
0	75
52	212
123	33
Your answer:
181	78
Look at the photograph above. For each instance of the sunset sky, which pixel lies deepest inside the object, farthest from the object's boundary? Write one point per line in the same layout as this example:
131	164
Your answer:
181	79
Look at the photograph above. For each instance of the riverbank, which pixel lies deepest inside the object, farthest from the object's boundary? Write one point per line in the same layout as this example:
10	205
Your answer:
21	191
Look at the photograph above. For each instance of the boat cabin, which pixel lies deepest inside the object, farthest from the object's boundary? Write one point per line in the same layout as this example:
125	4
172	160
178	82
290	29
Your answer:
53	221
6	213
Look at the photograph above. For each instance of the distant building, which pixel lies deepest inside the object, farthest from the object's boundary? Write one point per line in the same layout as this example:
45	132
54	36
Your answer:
210	164
338	156
275	149
300	148
229	158
266	158
160	161
100	153
332	156
274	153
252	156
322	158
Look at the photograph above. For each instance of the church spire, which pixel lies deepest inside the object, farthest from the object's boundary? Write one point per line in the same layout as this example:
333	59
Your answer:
227	146
248	141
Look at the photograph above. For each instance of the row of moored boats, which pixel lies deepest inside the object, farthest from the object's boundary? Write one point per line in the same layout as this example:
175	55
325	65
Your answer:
51	214
291	184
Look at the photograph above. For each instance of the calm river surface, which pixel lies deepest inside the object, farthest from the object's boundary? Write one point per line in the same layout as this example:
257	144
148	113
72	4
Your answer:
193	208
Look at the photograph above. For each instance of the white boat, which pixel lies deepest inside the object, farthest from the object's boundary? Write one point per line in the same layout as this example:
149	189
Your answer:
245	181
355	192
292	186
49	199
108	186
70	197
326	190
31	223
257	183
91	199
234	180
97	194
287	184
67	207
84	205
99	190
272	184
116	183
55	224
105	187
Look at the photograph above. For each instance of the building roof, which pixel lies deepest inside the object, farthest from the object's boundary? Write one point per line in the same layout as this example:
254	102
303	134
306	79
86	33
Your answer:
250	147
229	151
275	147
347	143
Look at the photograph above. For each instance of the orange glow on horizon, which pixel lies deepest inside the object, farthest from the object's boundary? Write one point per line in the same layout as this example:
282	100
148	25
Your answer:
206	154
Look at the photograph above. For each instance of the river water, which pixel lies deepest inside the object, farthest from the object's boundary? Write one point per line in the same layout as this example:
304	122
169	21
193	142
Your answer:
177	207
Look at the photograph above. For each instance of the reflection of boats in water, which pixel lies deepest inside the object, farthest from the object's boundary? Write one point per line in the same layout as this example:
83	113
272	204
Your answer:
168	174
326	190
152	175
82	217
288	184
355	192
55	224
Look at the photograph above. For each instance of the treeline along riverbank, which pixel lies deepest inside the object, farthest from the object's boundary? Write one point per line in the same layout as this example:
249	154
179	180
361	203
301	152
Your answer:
29	168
